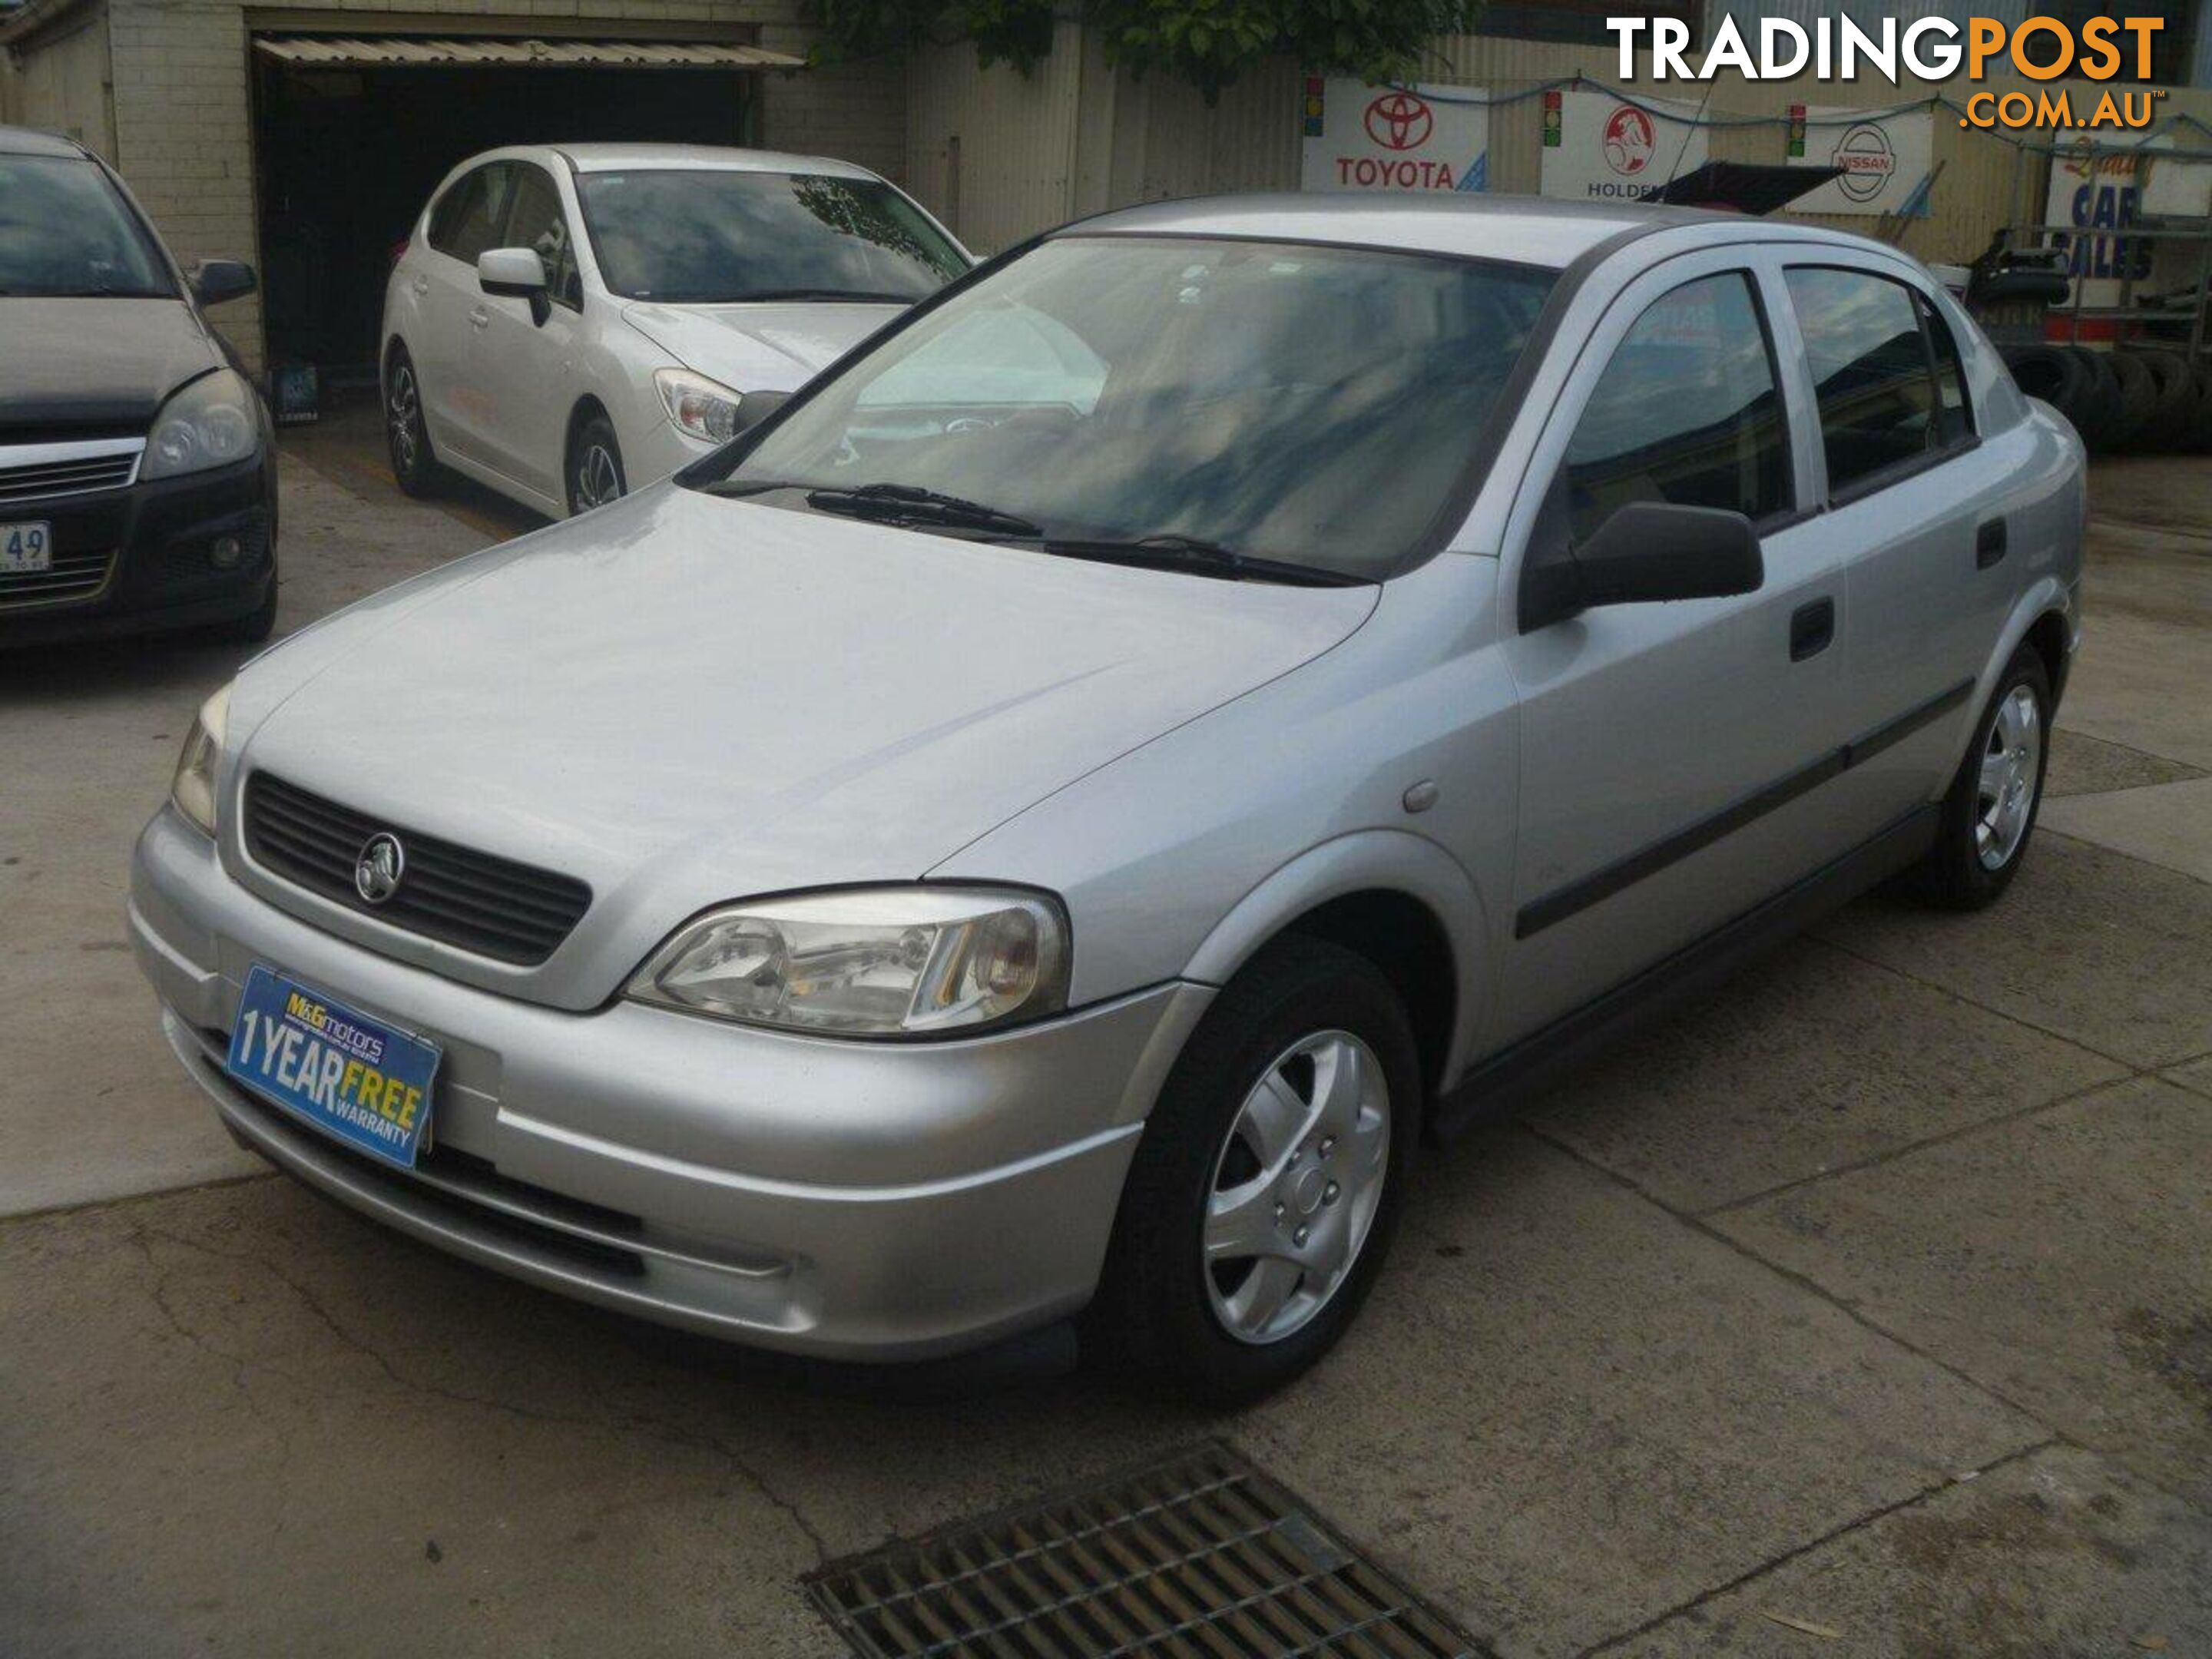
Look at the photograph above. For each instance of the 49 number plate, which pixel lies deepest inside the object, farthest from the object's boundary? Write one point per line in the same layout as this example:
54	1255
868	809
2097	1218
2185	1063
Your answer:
26	549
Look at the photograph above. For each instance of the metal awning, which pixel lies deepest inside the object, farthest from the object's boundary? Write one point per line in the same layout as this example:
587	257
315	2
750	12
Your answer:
394	52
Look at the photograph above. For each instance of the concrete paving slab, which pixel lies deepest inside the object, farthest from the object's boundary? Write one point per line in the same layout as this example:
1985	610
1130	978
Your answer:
2143	678
239	1418
92	1104
2082	765
2059	1552
2103	950
2062	1260
1817	1060
2197	1074
2168	824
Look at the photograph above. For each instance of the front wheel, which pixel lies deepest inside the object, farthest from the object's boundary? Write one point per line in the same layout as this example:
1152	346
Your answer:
415	466
1264	1194
1990	810
595	466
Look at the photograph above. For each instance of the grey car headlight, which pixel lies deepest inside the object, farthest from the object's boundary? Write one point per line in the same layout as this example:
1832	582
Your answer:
212	422
877	962
193	787
698	407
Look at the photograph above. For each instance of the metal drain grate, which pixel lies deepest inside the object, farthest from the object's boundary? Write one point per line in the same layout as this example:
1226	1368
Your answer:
1198	1555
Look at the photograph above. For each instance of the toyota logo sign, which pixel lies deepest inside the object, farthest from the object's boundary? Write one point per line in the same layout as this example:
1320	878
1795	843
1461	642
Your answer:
1398	120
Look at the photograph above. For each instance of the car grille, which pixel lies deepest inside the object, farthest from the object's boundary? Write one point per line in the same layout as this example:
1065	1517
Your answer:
37	472
491	905
73	576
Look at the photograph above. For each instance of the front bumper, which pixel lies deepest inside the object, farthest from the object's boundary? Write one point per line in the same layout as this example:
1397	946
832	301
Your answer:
149	545
860	1202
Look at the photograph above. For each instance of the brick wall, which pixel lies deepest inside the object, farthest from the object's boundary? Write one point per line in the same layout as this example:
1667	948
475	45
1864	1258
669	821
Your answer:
184	137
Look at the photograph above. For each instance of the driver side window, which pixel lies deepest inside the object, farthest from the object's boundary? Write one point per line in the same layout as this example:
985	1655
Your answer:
1688	412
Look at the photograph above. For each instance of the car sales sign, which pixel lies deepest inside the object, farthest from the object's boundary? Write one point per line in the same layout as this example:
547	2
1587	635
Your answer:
1886	155
1407	138
1598	147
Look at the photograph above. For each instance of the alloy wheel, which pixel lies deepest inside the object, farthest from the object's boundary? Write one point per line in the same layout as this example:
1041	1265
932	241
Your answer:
2011	770
403	417
1295	1187
597	480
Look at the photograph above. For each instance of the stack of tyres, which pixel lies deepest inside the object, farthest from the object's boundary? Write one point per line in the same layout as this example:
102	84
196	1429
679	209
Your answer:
2134	400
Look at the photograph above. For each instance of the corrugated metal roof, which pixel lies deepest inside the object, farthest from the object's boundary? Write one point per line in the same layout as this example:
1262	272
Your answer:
351	51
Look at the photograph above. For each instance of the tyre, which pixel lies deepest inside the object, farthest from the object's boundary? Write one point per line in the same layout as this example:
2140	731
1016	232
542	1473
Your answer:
2138	401
2100	400
2054	374
1989	813
594	469
1264	1194
414	465
2200	428
2174	406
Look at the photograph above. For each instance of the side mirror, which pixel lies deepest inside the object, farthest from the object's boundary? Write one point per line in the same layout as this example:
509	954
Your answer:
1646	552
514	273
214	280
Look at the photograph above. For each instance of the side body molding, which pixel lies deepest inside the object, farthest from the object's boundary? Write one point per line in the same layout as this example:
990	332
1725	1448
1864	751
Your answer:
1392	861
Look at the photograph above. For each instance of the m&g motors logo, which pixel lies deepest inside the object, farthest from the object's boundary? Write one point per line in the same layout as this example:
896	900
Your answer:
2041	49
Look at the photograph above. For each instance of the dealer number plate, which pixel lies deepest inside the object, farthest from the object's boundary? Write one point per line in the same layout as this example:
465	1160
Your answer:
26	549
352	1077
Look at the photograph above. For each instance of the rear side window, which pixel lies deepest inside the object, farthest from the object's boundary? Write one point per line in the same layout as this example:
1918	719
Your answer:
1954	420
469	217
1687	412
1873	374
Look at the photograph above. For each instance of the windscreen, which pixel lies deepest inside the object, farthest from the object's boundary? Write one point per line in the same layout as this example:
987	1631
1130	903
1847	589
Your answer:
704	237
1311	406
66	232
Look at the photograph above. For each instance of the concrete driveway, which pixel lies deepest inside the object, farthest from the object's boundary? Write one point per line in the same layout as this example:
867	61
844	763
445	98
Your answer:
1866	1309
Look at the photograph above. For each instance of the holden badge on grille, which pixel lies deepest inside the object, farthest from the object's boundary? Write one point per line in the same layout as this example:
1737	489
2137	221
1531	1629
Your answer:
377	872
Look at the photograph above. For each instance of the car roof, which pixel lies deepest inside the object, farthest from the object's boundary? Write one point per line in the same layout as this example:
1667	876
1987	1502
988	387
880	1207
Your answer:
25	141
1531	230
631	158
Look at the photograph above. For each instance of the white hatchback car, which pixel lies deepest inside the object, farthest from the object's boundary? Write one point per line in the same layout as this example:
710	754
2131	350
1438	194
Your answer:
567	321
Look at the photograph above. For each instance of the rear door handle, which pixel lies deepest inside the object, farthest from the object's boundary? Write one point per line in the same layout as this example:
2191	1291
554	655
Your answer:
1812	626
1989	544
422	286
479	318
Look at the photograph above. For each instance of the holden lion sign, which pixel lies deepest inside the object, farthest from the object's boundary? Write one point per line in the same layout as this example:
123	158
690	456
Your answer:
1364	137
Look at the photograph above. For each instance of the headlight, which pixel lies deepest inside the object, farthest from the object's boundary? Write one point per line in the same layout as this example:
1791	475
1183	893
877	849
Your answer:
874	962
212	422
193	787
704	409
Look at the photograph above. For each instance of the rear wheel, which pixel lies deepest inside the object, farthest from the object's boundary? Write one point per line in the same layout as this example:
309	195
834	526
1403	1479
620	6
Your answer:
595	466
1990	810
406	434
1264	1194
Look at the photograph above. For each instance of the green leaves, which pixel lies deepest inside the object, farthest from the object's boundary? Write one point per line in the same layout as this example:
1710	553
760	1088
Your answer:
1206	43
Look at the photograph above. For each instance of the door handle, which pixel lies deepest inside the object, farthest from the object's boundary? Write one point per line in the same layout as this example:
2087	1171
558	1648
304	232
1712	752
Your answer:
1989	544
479	318
422	286
1812	626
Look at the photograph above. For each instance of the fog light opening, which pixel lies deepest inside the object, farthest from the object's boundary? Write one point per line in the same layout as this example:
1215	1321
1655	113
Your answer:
226	551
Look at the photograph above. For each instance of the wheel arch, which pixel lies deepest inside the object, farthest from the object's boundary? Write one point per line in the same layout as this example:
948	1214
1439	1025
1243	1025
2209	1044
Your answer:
1397	899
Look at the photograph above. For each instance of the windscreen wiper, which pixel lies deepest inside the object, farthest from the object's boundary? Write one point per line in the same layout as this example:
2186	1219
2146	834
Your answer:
898	503
1201	557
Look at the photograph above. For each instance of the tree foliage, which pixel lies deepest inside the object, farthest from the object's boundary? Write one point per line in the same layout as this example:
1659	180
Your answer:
1205	42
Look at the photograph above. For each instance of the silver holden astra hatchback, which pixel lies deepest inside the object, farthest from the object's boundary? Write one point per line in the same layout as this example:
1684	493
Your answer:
1055	819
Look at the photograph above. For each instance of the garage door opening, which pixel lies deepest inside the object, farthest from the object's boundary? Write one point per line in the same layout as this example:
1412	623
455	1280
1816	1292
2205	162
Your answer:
351	136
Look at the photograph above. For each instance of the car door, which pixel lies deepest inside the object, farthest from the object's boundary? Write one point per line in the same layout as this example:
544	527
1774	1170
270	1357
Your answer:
1905	482
526	355
468	219
1671	753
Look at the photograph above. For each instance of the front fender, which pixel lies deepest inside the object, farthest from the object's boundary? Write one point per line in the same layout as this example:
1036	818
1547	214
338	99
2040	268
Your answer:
1367	861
